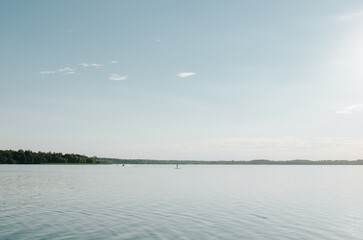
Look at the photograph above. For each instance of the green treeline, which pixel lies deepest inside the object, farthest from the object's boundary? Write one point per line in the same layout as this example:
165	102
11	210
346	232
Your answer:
29	157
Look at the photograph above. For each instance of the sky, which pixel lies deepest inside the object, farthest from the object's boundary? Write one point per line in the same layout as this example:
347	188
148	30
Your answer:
198	79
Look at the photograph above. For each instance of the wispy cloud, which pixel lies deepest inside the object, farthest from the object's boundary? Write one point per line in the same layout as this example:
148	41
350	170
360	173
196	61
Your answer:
91	65
66	69
47	72
117	77
343	111
72	70
185	74
350	16
157	40
348	109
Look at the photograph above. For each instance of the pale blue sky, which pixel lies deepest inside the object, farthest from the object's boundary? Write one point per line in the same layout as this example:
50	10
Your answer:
183	79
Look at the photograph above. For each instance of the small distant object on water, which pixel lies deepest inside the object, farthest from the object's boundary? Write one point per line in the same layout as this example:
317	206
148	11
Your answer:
123	165
177	166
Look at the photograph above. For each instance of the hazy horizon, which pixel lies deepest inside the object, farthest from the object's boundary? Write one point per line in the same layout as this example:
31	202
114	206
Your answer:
204	80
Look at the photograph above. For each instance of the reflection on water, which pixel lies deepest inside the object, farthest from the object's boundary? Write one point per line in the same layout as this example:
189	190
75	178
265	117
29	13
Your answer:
195	202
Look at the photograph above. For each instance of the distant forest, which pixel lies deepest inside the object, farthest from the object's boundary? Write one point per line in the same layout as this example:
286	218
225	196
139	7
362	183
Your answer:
29	157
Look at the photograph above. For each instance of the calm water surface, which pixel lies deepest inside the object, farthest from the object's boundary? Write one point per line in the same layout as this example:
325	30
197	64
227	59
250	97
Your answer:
195	202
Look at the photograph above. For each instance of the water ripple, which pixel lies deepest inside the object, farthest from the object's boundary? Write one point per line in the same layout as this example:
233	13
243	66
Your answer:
196	202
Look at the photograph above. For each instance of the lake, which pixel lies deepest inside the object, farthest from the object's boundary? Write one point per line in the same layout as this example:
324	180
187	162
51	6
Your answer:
194	202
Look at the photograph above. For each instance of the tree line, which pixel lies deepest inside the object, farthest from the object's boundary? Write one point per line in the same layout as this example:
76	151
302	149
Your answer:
29	157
